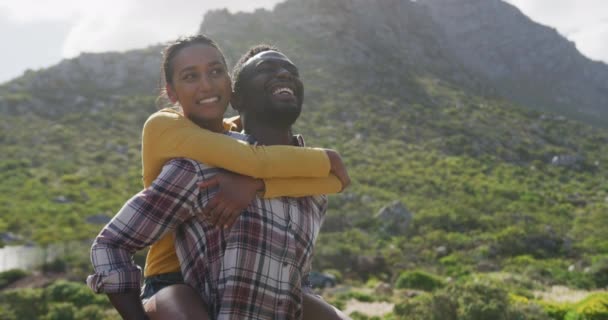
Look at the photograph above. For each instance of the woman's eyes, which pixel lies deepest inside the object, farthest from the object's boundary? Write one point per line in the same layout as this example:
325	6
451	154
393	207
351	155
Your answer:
190	76
217	71
214	73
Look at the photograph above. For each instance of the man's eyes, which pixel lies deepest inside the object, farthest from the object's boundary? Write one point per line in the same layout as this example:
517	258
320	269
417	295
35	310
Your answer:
266	67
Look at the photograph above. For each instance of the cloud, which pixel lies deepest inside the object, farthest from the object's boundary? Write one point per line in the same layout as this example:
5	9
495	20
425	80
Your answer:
118	25
583	21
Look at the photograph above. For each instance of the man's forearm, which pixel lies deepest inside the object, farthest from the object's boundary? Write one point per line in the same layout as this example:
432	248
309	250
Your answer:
129	305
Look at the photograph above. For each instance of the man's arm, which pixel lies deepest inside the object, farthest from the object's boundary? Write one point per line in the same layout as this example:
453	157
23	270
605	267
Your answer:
145	218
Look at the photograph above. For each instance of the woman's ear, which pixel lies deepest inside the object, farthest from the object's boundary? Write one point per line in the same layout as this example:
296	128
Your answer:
171	93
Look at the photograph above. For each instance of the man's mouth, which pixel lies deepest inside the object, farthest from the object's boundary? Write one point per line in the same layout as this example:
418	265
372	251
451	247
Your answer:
208	100
282	91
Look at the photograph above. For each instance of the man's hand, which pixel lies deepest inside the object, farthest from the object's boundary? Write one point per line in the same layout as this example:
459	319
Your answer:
338	168
235	193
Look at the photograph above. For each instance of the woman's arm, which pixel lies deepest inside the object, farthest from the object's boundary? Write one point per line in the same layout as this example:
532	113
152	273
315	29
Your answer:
168	135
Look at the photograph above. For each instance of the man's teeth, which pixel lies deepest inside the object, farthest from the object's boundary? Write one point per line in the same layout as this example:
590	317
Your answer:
208	100
283	91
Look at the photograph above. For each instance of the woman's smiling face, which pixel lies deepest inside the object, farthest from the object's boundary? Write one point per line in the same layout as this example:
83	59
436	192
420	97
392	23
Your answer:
201	84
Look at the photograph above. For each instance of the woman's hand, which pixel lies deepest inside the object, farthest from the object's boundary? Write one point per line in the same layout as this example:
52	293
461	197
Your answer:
338	168
235	193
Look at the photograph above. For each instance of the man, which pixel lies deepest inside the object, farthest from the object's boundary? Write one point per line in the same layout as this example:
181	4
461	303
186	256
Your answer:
271	242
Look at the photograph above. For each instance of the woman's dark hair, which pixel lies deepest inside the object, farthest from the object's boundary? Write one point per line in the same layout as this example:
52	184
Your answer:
172	49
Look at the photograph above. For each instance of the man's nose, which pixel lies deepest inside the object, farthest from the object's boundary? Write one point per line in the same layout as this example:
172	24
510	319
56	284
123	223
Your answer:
283	73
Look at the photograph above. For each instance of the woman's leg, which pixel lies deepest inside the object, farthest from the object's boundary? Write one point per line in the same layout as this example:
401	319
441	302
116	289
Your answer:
176	302
315	308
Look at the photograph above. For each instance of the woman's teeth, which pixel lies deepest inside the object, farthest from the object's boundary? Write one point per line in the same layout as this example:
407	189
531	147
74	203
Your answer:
208	100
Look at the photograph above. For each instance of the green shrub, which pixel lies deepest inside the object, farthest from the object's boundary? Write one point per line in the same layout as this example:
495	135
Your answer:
418	308
599	272
527	311
10	276
60	311
90	312
78	294
334	272
554	310
57	265
24	303
418	280
594	307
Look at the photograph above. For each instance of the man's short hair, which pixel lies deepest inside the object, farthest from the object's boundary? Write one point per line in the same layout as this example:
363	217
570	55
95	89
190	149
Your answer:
238	67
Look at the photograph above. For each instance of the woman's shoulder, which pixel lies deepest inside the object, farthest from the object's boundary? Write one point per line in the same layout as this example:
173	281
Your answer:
164	118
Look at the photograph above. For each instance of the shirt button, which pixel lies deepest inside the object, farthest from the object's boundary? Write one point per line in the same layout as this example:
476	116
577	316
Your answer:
280	303
285	264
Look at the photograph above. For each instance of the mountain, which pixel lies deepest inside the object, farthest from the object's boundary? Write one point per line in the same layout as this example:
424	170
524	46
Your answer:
466	42
465	127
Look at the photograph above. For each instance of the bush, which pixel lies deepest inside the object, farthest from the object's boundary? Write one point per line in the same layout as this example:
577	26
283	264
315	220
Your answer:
527	311
599	272
418	280
10	276
594	307
57	265
418	308
90	312
78	294
24	303
554	310
474	300
60	311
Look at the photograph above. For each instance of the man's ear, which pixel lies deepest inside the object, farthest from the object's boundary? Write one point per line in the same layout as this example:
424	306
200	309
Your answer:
236	101
171	93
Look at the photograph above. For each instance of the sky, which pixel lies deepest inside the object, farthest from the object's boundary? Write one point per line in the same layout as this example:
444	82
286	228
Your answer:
37	33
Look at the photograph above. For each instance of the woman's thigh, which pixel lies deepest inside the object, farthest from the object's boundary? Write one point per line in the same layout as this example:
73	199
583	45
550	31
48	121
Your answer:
176	302
315	308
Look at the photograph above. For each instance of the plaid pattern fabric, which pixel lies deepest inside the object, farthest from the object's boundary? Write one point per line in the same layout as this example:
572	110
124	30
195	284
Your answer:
252	270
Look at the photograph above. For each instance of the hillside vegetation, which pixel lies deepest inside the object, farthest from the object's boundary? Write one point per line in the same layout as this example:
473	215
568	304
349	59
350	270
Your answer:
455	189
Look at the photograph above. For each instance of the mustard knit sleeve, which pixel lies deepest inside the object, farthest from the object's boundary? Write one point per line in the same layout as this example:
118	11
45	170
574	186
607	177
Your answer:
301	187
167	134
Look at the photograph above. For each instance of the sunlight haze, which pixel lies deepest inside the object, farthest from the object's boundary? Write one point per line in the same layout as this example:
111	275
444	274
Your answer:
41	33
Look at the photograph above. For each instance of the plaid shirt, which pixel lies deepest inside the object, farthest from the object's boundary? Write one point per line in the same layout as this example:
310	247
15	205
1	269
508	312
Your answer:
252	270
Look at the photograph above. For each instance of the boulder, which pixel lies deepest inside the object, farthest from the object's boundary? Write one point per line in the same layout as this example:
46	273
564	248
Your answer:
394	218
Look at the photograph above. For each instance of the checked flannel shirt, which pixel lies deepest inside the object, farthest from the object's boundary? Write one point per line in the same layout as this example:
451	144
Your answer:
251	270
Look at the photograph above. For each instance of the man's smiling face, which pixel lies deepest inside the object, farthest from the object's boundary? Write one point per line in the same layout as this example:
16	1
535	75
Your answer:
271	88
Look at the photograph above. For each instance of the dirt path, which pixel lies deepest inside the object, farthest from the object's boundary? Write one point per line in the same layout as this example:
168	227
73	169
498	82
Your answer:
564	294
368	308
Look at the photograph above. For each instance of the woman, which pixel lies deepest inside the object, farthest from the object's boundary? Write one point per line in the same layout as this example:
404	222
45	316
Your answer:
201	85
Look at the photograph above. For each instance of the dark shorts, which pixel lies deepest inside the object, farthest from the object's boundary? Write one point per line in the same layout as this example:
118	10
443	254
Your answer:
154	284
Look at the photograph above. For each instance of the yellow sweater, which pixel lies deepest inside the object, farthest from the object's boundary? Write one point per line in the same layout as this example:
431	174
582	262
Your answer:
167	134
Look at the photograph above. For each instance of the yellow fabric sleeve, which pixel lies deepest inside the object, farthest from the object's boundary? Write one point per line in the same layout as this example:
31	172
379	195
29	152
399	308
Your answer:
167	135
301	187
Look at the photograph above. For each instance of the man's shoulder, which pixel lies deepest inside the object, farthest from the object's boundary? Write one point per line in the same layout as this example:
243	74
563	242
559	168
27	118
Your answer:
190	165
240	136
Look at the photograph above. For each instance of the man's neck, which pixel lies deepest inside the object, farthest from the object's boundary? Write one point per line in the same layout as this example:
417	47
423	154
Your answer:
267	135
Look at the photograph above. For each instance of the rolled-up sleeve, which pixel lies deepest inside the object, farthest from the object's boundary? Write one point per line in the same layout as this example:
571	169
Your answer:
157	210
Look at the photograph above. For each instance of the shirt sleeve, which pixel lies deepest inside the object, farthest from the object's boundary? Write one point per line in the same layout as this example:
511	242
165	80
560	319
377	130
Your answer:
168	135
301	187
157	210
